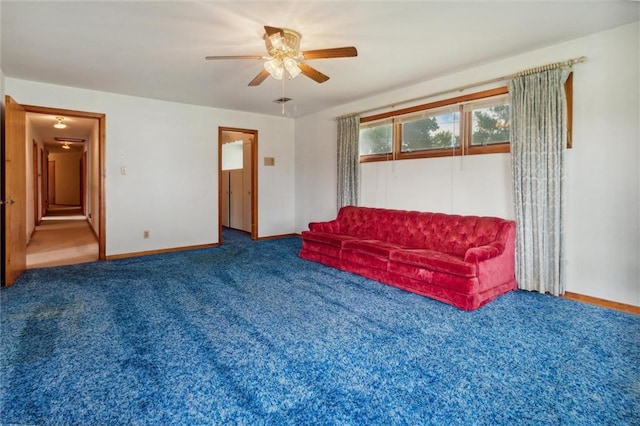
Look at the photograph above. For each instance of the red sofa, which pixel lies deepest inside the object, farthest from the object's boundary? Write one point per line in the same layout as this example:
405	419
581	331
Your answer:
465	261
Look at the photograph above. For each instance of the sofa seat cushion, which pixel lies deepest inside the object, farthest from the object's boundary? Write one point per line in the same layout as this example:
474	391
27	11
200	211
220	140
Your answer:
419	277
360	258
434	260
374	247
336	240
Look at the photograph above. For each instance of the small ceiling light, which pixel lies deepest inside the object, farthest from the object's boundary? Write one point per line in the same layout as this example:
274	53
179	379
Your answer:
66	145
60	124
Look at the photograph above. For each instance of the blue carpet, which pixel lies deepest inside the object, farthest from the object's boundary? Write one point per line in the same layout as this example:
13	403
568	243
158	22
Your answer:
248	333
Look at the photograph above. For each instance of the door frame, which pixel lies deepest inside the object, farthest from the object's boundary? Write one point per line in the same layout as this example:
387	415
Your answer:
254	179
35	184
83	183
102	118
51	182
44	164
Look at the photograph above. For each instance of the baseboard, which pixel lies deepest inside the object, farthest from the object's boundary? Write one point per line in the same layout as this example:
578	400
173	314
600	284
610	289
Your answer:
623	307
161	251
176	249
273	237
93	230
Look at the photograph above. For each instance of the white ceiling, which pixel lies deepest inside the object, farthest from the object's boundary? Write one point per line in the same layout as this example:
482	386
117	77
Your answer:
157	49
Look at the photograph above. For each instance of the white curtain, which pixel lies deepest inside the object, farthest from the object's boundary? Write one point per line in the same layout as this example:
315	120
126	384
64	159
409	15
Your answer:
348	160
538	142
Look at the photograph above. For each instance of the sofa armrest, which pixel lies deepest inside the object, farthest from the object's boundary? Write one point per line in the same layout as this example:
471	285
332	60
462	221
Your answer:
332	227
478	254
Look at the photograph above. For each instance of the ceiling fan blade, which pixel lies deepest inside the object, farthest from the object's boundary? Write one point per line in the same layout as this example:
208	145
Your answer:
312	73
259	78
215	58
337	52
272	30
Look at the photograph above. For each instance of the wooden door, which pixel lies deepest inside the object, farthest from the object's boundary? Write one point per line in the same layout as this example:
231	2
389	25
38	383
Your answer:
15	191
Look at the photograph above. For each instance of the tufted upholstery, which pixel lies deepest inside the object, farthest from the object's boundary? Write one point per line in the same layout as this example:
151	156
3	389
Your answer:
436	231
462	260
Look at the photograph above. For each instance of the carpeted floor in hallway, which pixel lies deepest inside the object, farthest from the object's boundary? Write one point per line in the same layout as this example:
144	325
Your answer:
63	237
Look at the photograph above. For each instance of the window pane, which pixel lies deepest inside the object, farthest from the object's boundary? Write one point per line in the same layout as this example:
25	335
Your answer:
375	139
437	132
490	125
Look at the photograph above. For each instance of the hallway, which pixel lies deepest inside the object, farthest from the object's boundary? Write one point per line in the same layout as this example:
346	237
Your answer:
63	237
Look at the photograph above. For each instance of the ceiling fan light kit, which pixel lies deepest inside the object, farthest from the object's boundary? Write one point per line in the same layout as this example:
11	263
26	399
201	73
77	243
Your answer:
284	54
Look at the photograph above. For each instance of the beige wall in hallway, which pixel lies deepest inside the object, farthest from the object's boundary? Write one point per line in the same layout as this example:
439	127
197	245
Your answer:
67	177
32	199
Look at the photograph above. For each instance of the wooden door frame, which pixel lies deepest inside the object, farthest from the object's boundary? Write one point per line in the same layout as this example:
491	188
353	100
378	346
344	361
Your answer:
102	118
83	183
254	179
35	186
44	164
51	181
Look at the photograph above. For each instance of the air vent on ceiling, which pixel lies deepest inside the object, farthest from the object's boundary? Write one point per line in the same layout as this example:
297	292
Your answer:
60	139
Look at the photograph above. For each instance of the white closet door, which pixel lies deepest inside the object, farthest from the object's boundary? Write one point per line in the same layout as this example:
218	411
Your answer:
235	198
246	186
225	198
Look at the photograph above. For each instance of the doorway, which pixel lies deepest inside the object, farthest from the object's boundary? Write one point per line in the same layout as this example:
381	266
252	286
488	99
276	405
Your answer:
34	126
237	181
70	228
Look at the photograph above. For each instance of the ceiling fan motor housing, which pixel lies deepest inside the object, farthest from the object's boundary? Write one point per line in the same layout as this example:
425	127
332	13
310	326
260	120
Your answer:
290	44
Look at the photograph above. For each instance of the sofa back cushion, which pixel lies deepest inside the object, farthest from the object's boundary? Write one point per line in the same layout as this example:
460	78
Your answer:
450	234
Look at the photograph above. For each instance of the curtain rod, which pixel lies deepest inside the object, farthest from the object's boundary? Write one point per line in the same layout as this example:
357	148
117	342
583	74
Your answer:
568	63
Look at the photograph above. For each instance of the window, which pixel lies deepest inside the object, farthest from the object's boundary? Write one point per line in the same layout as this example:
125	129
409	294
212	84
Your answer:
376	138
489	121
431	130
477	123
474	124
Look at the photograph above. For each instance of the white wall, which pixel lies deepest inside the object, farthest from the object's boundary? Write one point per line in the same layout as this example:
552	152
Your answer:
170	152
603	218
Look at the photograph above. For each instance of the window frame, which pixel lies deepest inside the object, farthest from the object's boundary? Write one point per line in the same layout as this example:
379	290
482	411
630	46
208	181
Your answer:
465	147
465	126
383	122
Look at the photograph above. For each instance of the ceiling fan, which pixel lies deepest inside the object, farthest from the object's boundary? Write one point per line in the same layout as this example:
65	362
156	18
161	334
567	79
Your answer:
284	55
